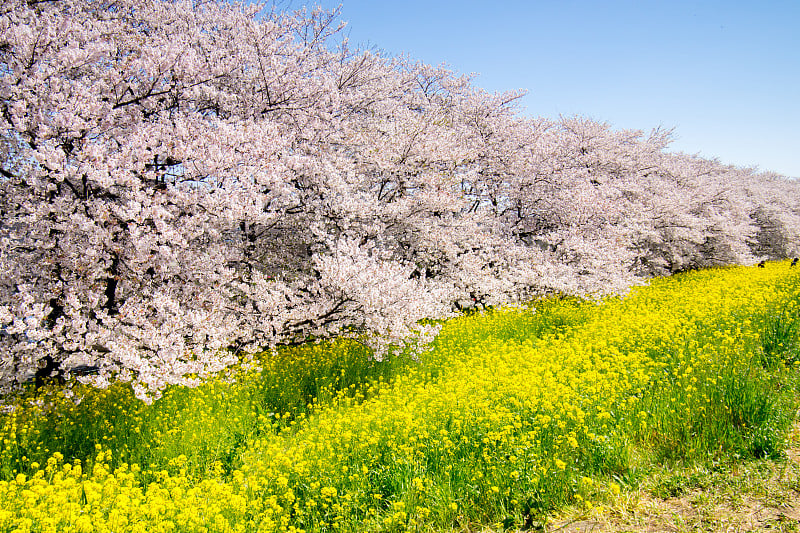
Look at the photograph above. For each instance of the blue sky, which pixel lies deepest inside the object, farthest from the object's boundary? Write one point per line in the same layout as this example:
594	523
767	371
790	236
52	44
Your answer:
724	74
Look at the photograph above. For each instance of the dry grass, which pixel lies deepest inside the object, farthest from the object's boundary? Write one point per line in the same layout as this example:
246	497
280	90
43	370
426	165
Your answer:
756	496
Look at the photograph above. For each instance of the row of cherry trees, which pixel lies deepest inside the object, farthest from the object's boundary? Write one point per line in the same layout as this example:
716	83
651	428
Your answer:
183	181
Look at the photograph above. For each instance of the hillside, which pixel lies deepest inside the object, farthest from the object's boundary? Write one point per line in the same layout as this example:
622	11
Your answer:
600	411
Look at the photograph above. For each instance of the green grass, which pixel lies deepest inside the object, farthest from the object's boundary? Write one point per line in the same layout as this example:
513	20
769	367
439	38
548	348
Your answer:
510	417
209	425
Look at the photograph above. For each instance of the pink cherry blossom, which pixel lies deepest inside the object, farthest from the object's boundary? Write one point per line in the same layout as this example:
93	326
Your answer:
183	183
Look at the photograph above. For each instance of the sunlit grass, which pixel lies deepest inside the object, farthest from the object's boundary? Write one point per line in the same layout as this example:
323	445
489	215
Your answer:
512	414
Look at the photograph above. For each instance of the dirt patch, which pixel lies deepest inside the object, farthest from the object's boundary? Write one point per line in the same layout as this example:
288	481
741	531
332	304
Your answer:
686	514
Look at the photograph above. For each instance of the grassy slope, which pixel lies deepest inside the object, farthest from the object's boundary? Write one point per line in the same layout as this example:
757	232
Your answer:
510	417
755	495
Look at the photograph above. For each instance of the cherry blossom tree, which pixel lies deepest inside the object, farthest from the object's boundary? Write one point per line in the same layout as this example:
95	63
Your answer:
185	182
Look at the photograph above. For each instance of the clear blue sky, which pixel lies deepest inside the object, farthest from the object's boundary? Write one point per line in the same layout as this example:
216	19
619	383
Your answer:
724	74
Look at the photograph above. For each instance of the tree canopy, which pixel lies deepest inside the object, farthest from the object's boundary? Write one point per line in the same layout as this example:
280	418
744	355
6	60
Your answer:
183	181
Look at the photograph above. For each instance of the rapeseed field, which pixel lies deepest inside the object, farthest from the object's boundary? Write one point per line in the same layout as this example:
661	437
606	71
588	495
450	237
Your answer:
512	414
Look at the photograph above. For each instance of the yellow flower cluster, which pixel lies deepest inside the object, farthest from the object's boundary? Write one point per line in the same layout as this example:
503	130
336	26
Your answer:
511	414
62	497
